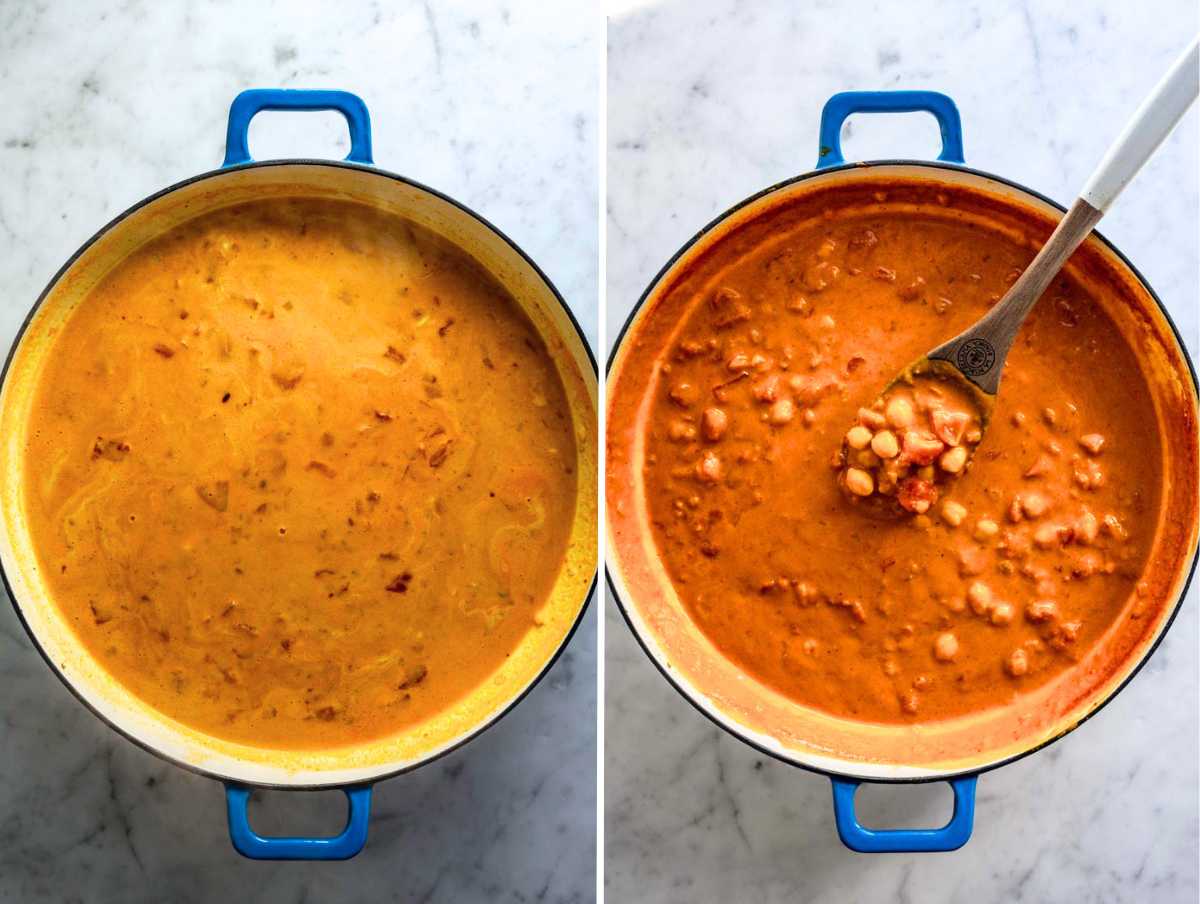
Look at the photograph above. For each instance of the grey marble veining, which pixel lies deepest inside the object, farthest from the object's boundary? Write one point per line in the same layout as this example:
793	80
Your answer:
709	102
102	104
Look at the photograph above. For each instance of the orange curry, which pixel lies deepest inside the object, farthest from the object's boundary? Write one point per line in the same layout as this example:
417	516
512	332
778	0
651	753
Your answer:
301	473
787	333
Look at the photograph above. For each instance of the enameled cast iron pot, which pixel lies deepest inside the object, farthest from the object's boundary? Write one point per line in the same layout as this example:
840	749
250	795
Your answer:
757	715
352	770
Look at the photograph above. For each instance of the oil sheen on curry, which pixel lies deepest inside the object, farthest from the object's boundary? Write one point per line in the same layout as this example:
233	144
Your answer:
999	582
301	474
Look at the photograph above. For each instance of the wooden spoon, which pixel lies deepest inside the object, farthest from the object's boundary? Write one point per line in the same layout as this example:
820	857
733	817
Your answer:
961	377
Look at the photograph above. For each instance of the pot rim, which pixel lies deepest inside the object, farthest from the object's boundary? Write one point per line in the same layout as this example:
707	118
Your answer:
475	731
736	729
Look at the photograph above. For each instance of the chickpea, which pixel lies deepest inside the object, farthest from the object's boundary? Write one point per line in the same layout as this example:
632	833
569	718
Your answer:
782	412
858	437
714	422
865	458
871	418
1093	442
1087	528
1050	416
888	478
1017	663
709	468
1018	419
885	445
953	513
1047	535
1002	614
681	431
953	460
945	647
1042	610
684	394
1087	565
899	412
1034	505
859	482
986	529
979	595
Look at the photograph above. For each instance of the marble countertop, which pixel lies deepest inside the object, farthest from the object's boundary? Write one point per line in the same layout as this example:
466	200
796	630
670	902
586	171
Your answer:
99	109
707	103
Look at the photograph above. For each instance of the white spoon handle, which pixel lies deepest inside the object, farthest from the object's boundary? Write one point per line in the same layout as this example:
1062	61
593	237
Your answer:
979	351
1149	127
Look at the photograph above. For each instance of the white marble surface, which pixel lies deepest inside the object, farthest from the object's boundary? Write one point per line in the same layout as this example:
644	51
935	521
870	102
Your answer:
101	105
710	101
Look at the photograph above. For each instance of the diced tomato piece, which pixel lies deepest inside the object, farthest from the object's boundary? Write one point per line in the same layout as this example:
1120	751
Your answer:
921	448
949	425
917	495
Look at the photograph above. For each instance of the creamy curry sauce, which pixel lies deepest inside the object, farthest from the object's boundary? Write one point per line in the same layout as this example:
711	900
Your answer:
993	589
300	474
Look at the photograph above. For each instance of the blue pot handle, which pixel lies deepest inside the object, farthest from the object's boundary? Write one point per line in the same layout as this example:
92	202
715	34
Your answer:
949	837
841	106
255	100
250	844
